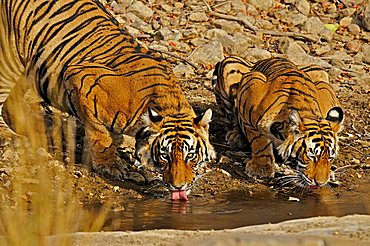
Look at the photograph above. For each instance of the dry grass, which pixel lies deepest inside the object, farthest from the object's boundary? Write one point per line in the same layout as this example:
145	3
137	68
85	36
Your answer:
37	199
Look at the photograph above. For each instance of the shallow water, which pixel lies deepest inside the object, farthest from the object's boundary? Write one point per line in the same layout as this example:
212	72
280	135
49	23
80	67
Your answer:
236	209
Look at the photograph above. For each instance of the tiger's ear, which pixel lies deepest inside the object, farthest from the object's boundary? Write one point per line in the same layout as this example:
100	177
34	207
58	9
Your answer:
204	118
296	123
335	116
154	116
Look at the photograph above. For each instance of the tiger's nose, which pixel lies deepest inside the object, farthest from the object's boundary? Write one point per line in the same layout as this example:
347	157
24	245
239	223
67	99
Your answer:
181	186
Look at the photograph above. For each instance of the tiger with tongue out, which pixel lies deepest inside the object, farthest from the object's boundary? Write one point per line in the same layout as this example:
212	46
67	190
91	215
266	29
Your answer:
176	147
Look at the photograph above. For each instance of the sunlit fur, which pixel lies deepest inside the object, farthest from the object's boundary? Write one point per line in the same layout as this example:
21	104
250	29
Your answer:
74	55
282	110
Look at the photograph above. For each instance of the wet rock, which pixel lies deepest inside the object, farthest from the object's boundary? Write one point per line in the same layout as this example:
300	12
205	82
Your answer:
210	53
140	10
303	6
198	17
228	26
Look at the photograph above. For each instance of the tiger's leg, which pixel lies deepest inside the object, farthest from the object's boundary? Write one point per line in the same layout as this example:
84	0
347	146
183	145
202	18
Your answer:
89	103
104	157
14	118
262	163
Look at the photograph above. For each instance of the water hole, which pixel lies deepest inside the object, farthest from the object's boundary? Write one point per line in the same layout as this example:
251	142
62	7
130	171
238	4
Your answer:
236	209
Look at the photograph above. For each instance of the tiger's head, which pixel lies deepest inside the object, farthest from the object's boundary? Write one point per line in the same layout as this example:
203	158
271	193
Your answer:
176	147
310	147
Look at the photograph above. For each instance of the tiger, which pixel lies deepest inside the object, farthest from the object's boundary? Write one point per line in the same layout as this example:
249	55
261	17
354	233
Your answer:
286	114
76	58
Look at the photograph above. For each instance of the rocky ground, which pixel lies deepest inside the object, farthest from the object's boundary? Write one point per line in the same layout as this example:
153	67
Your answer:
194	36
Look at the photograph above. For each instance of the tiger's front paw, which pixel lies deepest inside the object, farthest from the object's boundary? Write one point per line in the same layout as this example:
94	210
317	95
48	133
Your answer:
117	169
261	167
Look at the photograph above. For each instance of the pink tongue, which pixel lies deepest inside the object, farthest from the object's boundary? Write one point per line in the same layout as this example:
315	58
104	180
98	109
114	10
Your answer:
179	195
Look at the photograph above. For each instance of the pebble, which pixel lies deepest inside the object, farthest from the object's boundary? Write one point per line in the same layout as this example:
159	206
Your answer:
354	28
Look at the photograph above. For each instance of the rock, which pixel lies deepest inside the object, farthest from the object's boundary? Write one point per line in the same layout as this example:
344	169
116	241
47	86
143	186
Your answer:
167	7
322	50
238	6
198	41
366	18
353	46
298	56
251	10
198	17
118	8
176	46
229	26
210	53
133	31
258	54
313	25
215	33
334	72
164	34
140	10
340	56
292	17
138	23
345	21
158	47
223	7
303	6
235	46
262	4
283	44
354	28
366	52
347	11
183	70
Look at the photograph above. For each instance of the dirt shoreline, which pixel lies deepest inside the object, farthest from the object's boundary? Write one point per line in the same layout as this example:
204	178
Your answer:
348	230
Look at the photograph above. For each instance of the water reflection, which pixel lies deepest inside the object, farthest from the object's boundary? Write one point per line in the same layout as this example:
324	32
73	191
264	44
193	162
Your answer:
235	209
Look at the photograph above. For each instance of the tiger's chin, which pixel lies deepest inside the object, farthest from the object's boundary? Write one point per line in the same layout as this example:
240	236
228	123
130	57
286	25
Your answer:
298	181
